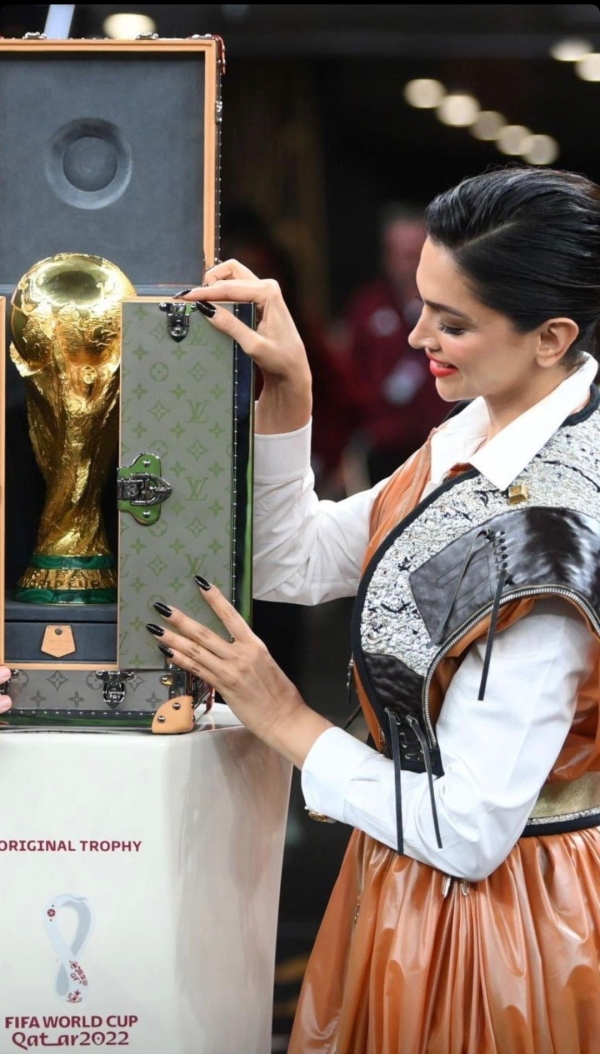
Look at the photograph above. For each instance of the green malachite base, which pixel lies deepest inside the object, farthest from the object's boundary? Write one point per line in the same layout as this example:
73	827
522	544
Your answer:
66	596
92	579
72	563
130	721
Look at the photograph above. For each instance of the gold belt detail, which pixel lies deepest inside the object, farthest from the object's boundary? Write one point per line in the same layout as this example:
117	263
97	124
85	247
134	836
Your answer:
567	800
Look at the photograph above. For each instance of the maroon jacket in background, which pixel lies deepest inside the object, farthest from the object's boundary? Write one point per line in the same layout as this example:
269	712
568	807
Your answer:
400	403
337	398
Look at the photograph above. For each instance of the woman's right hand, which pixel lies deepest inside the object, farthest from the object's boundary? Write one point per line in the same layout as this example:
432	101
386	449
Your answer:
285	403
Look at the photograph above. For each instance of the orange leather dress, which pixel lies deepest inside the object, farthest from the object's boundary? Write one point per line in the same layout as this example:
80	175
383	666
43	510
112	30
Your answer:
407	962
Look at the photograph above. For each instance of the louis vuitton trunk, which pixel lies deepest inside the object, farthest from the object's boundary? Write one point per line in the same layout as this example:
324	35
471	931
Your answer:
181	505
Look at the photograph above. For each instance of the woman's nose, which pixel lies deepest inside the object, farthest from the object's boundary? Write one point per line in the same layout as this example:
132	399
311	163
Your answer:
422	337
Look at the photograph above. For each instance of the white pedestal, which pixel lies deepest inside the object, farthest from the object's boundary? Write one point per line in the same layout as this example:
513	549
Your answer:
161	860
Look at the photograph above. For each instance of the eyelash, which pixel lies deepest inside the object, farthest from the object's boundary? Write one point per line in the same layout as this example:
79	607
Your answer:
452	330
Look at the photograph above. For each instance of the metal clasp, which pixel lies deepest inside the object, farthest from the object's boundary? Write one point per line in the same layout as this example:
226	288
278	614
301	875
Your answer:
180	682
5	686
114	682
141	488
178	319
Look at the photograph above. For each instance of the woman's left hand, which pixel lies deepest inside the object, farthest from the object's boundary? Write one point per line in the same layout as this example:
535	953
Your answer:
245	675
5	701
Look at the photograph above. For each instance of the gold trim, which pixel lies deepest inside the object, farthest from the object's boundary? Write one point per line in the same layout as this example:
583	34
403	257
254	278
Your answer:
18	665
210	156
567	800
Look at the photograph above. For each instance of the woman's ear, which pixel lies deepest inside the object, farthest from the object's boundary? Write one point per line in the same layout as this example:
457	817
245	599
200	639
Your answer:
555	338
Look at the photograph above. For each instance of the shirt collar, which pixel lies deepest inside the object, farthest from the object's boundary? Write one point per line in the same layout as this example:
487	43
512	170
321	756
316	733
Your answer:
506	455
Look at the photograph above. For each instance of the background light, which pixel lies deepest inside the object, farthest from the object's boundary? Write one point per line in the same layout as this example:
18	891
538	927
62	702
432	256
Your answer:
458	110
488	124
425	94
540	150
570	49
127	26
512	138
588	68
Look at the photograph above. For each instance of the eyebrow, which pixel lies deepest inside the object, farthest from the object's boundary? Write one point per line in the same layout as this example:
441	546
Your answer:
446	307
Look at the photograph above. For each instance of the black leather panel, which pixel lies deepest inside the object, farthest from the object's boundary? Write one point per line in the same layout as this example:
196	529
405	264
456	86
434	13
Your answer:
397	688
536	546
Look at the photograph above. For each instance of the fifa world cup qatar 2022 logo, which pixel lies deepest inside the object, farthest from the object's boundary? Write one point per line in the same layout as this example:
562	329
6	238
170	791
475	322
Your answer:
71	981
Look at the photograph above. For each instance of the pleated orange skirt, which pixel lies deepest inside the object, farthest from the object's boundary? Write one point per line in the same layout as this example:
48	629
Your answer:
508	965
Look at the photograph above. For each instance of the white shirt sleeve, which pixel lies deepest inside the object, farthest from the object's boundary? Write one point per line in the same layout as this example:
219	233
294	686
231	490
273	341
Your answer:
496	753
305	550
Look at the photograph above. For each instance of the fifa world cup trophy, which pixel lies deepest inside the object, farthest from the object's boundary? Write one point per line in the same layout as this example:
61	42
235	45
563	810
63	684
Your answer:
66	327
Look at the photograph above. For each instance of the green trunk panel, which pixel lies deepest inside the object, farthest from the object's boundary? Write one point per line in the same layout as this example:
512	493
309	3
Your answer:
177	402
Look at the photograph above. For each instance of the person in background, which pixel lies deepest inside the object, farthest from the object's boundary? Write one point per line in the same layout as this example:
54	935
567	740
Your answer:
337	386
400	404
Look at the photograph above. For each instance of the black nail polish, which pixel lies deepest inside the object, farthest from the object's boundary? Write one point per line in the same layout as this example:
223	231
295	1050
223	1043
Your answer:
166	651
200	581
163	609
183	292
205	308
156	630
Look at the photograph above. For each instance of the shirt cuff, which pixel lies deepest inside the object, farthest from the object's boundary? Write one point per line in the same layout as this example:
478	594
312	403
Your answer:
330	765
284	457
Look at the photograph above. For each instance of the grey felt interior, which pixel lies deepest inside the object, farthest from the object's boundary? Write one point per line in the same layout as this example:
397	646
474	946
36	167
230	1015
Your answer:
103	155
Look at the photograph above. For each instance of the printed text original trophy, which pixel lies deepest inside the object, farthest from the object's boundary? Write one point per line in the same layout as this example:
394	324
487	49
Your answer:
66	326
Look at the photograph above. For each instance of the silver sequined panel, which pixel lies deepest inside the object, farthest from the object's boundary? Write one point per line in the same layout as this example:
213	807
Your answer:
565	474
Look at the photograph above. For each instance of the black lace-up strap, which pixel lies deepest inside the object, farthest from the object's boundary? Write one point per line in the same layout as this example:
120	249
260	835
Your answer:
414	724
352	718
397	758
499	544
490	638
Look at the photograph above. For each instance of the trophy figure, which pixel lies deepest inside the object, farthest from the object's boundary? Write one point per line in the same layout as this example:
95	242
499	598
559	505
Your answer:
66	327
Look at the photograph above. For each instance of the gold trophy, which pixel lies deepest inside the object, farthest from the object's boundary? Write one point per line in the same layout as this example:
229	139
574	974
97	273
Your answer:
66	326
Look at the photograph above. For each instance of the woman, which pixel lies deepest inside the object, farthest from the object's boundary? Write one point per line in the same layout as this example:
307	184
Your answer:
466	917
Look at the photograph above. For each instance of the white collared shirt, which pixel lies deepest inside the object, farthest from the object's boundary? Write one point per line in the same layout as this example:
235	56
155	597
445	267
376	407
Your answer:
496	753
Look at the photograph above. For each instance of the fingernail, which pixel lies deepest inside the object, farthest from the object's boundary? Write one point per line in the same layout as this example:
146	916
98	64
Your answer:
156	630
206	308
166	651
183	292
163	609
200	581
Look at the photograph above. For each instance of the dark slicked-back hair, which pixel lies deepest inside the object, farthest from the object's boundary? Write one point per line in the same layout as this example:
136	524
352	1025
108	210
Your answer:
527	240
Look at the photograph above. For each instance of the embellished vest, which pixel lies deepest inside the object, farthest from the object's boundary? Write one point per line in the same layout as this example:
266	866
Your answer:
465	552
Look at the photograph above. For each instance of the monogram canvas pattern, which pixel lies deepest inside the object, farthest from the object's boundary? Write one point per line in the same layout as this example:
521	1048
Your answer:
176	402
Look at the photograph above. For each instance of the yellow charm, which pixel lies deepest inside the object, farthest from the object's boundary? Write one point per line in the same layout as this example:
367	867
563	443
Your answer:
517	493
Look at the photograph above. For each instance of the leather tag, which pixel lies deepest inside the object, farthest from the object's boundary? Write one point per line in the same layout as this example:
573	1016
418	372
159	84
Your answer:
174	717
58	641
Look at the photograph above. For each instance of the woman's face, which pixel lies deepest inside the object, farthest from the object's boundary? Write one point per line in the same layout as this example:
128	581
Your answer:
473	350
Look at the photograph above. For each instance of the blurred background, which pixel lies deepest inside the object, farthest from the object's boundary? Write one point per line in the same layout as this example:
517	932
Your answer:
340	122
